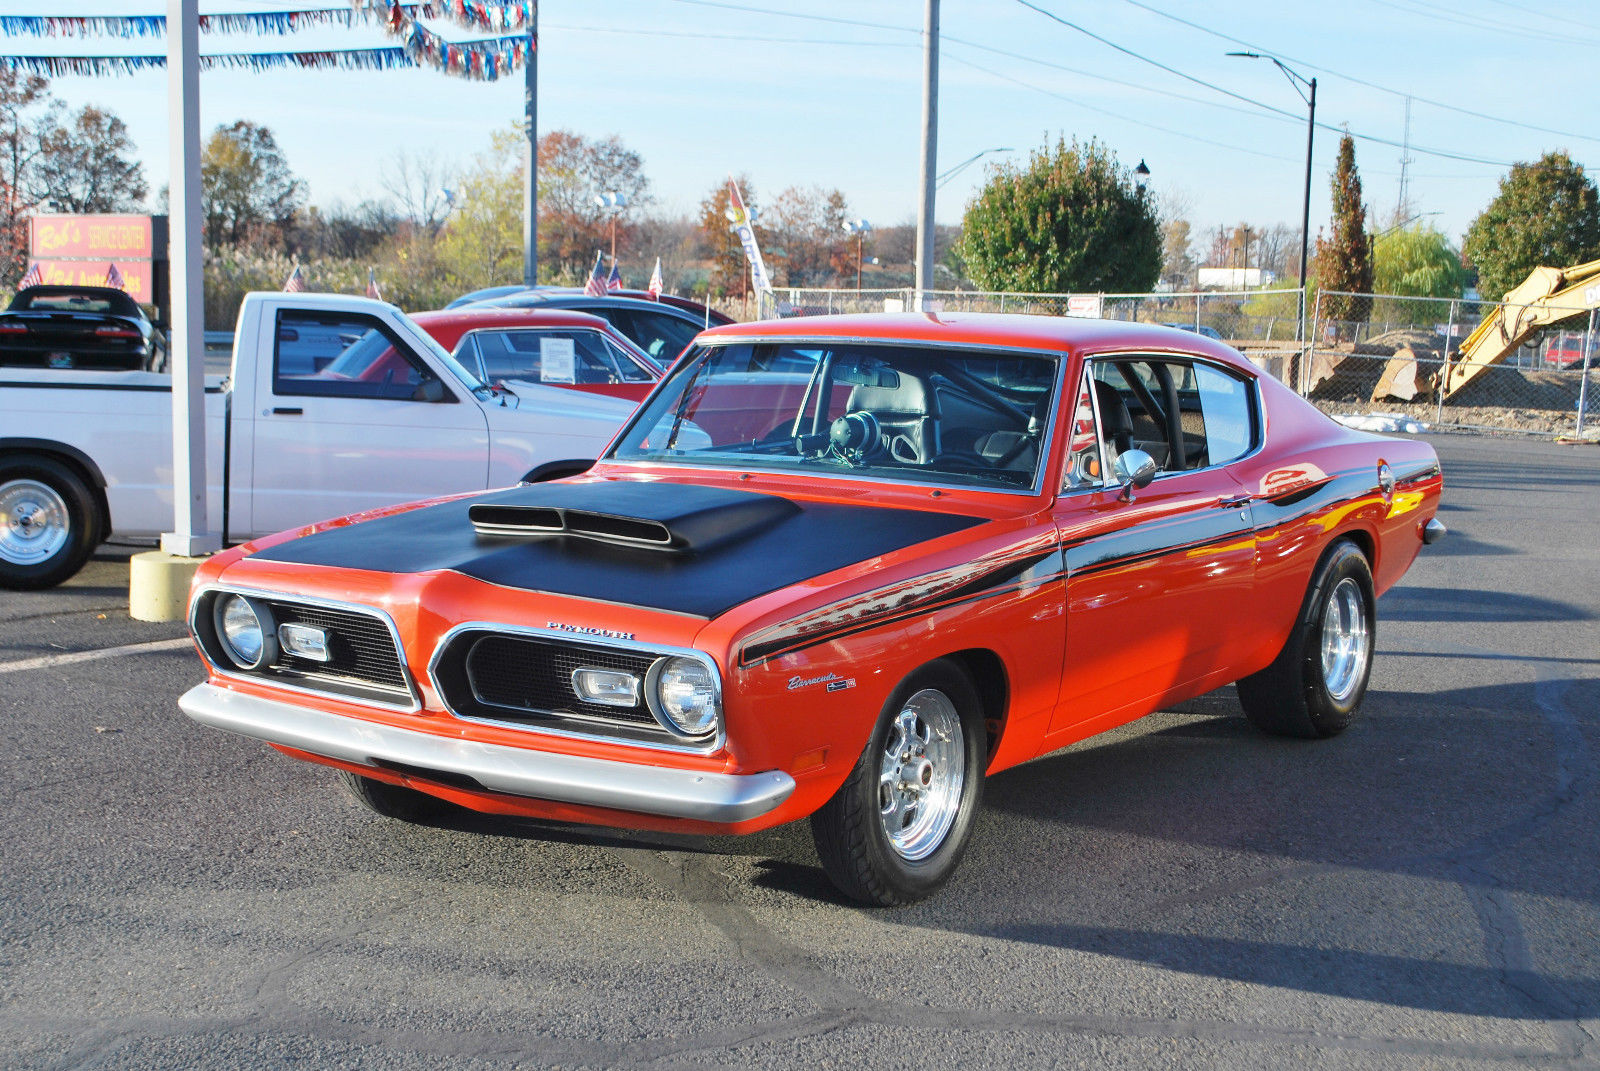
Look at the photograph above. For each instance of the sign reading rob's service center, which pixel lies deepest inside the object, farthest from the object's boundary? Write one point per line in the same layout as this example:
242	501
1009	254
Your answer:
80	250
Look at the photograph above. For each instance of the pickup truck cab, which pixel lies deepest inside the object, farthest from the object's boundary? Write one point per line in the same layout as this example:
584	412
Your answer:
334	403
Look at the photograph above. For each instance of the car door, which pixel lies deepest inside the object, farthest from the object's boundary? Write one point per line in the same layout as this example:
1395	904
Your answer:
349	418
1156	583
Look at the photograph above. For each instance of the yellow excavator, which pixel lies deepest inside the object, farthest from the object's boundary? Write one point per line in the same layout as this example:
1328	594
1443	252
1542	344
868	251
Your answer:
1545	297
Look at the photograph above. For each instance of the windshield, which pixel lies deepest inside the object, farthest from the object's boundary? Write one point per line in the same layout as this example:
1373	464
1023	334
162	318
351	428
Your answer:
919	414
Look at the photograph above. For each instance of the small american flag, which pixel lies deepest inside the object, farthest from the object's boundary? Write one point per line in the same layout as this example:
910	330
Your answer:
35	277
614	280
296	283
596	286
114	278
373	290
655	287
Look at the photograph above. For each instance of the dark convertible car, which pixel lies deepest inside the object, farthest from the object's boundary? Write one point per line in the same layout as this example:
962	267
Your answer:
79	327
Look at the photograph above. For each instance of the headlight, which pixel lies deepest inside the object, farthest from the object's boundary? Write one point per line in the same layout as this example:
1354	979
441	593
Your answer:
683	695
244	627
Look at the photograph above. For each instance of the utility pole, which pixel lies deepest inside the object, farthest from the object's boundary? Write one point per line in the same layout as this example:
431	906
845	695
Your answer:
930	149
530	184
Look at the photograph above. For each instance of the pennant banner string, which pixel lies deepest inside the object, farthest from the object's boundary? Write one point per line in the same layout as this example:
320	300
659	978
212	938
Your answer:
492	16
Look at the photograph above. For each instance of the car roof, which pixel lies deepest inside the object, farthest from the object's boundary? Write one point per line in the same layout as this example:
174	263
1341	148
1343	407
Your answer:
579	299
448	326
1053	333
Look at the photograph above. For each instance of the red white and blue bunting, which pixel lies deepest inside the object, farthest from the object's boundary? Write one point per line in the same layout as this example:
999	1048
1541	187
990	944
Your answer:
488	16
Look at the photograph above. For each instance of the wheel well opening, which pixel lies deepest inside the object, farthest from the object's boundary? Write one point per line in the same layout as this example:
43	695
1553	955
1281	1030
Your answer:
1364	543
988	675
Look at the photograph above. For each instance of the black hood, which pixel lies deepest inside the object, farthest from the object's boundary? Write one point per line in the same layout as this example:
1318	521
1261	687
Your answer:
678	547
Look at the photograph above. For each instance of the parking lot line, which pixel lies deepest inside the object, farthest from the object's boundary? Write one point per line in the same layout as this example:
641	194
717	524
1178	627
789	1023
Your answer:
69	657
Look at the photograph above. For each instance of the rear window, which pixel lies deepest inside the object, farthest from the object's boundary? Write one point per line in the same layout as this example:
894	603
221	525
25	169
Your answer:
53	300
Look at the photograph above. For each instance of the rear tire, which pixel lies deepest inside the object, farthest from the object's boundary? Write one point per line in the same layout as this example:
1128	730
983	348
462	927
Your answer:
1314	687
394	801
898	826
49	522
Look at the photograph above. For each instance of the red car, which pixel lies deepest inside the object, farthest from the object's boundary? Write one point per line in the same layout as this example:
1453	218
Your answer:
556	348
963	542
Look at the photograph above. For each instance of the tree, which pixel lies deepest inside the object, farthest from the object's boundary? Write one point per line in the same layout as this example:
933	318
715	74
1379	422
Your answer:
19	95
1344	261
1416	262
421	186
573	171
481	244
808	237
1177	266
85	164
247	190
1546	214
1071	220
730	275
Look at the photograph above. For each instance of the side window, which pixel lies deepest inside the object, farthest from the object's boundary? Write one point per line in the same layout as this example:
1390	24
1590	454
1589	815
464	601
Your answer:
660	335
1227	414
1085	459
627	369
556	357
346	355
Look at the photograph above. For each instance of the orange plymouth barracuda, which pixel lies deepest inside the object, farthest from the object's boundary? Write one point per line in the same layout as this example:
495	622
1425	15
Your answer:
838	568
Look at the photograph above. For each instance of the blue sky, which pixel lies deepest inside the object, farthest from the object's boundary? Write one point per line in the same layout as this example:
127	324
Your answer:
702	88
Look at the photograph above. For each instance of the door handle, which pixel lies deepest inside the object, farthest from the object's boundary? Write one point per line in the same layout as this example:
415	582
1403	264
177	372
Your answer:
285	410
1236	501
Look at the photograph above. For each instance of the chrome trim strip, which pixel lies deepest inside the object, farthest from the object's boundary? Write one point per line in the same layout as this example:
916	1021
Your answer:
622	786
1433	531
415	698
663	650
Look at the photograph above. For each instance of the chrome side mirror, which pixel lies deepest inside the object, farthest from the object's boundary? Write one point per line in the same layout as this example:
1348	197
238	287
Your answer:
1134	469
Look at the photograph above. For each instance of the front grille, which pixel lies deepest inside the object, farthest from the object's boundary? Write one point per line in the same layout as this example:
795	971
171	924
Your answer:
534	676
360	647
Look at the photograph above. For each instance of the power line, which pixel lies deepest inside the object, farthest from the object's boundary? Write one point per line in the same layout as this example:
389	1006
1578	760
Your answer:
1456	17
1357	81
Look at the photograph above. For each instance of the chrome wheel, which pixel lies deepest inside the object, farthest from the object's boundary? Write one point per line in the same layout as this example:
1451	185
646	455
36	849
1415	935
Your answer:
34	522
921	773
1346	641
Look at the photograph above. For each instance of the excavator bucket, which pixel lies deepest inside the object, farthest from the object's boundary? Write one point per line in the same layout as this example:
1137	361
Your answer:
1547	296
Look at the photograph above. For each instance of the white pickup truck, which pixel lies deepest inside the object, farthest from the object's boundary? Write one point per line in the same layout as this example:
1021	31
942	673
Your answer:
335	404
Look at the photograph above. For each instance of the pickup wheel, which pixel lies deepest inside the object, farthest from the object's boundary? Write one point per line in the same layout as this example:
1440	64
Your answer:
49	522
1315	685
394	801
898	826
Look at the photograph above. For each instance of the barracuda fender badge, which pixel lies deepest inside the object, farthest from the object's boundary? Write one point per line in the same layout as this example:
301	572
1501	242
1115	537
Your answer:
834	682
585	630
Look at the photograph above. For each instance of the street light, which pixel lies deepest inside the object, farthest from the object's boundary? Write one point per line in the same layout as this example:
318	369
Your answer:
1305	213
1141	175
860	228
612	203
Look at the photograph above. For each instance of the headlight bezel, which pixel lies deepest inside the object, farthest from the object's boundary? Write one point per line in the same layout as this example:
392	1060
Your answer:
659	705
264	625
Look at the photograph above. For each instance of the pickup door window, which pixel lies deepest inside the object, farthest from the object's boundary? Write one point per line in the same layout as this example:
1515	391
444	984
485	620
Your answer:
1158	589
352	418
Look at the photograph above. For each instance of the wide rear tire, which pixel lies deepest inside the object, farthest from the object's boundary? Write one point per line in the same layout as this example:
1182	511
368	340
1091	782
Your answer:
1314	687
898	826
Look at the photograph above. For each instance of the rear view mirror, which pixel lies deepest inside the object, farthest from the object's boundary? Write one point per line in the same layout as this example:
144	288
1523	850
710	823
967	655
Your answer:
865	373
1134	469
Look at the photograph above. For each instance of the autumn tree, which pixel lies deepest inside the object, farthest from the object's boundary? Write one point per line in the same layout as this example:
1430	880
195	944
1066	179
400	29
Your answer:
1177	265
481	244
247	191
730	275
20	95
1344	260
85	163
573	171
1071	219
1546	214
806	225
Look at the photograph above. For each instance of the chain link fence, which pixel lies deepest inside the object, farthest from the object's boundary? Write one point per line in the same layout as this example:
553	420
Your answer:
1375	360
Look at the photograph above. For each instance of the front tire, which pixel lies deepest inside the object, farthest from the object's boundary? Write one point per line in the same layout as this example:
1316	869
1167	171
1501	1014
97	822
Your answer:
49	522
1314	687
900	823
394	801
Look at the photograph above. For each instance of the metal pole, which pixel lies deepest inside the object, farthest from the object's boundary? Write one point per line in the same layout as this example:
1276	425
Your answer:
190	535
530	182
1583	387
1305	210
930	149
1444	369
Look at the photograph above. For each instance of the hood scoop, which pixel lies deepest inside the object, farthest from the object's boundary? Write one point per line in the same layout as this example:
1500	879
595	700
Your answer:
657	516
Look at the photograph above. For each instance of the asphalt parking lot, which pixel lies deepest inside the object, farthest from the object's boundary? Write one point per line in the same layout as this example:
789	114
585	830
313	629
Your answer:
1419	892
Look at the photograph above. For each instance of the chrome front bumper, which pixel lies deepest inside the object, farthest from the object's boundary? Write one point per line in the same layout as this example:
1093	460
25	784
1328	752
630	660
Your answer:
1433	531
620	786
